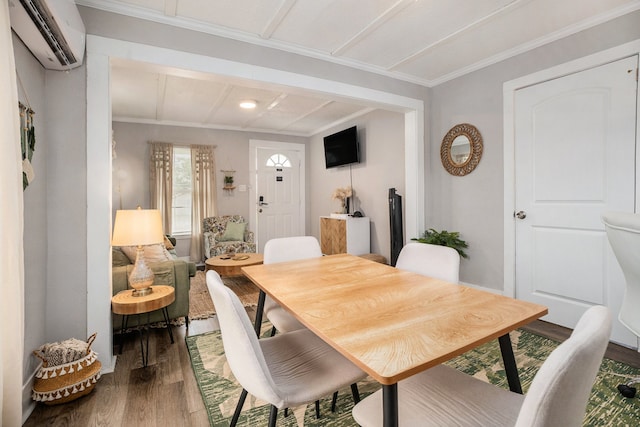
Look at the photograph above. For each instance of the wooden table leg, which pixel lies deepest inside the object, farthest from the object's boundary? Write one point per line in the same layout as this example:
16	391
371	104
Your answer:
390	405
509	361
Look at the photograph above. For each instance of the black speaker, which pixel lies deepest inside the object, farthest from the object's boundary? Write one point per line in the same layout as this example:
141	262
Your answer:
395	222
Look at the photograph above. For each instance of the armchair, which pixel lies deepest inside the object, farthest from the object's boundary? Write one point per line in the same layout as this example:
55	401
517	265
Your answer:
220	237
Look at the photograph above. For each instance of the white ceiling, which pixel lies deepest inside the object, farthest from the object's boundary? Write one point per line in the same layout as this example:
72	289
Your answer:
421	41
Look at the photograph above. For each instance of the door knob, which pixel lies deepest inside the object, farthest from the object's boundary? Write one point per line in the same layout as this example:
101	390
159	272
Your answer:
520	214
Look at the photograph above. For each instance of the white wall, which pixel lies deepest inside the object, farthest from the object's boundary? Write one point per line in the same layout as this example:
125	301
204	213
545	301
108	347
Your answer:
66	205
131	167
54	209
381	138
32	92
474	204
378	132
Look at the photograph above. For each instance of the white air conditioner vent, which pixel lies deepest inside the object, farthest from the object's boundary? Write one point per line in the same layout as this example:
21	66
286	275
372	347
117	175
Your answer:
52	30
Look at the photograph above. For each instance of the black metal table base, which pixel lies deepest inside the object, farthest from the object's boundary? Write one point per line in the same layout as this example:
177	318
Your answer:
510	367
142	330
259	310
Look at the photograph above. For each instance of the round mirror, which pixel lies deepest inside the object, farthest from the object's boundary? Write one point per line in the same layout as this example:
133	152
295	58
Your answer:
461	149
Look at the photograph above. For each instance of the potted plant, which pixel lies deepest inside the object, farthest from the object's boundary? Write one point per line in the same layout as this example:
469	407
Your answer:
444	238
228	181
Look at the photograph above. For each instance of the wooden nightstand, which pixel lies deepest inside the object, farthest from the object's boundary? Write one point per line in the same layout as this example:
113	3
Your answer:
126	304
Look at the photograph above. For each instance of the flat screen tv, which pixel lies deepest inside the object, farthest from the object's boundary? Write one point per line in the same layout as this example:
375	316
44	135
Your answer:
341	148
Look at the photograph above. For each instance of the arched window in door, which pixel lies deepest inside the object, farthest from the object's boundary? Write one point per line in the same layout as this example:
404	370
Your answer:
278	161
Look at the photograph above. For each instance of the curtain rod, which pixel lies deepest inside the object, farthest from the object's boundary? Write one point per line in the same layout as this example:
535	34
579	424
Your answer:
180	145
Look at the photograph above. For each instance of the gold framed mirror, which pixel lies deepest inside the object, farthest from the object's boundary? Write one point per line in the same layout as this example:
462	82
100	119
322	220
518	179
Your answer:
461	149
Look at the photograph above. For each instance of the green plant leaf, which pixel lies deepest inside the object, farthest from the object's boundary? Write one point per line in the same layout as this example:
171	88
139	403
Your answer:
444	238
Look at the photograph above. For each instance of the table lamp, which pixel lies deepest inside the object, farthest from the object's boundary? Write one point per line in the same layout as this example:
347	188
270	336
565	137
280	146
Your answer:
138	227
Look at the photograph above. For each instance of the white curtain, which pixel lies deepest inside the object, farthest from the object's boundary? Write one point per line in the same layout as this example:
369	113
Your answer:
203	169
11	233
161	181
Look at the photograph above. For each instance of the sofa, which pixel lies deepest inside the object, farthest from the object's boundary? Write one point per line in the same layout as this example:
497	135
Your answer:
226	233
173	271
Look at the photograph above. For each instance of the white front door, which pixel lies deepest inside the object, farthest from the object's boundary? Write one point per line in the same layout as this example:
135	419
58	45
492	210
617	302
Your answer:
277	190
574	160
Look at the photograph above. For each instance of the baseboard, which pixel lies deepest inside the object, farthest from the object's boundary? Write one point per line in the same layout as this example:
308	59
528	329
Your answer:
108	368
483	288
28	404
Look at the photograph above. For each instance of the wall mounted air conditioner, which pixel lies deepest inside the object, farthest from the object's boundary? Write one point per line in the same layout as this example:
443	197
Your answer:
52	30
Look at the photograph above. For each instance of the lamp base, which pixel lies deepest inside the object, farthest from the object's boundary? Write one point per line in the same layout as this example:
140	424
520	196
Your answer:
141	292
141	277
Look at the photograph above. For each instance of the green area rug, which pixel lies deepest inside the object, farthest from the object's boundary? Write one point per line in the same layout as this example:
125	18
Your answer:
220	391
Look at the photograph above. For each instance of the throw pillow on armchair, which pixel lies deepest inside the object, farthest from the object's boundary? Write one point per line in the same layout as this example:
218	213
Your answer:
227	233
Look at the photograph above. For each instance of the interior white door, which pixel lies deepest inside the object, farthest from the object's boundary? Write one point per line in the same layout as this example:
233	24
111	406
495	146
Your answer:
574	160
278	191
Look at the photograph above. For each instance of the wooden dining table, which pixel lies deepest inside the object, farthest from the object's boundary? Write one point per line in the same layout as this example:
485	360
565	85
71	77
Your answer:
391	323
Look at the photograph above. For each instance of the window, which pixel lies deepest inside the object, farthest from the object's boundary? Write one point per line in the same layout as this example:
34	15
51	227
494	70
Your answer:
182	187
279	160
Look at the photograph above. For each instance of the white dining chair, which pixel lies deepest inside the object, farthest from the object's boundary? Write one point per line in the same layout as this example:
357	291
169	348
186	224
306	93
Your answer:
280	250
623	232
557	396
440	262
288	370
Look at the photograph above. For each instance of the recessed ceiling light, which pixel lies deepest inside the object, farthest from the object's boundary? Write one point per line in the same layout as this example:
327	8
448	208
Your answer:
248	105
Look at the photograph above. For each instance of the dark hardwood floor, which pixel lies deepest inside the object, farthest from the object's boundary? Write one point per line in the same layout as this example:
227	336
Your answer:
165	393
559	333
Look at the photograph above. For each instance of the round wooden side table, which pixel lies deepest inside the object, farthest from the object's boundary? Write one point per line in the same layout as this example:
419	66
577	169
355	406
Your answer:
126	304
231	266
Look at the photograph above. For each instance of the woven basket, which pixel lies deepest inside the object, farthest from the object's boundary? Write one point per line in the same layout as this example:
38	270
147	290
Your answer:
66	382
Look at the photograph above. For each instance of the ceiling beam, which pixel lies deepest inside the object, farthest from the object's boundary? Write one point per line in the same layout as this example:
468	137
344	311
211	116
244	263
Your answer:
224	93
277	19
170	7
485	19
396	8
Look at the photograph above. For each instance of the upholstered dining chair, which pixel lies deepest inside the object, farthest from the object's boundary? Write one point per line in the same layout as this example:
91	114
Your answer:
557	396
280	250
288	370
440	262
623	232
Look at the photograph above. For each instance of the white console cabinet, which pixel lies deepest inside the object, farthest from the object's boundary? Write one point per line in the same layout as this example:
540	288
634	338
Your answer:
344	235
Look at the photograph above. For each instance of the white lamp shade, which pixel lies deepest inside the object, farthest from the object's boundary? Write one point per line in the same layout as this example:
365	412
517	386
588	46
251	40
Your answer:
137	227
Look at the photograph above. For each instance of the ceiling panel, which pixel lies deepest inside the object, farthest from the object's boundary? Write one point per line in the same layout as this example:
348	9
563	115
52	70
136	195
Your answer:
330	115
327	25
189	100
419	26
244	15
134	94
525	22
230	112
422	41
288	110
